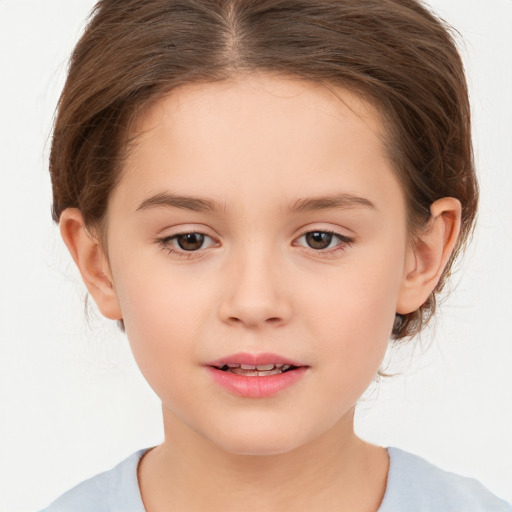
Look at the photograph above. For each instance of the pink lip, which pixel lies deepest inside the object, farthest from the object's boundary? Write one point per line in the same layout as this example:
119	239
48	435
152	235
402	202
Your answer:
254	359
255	387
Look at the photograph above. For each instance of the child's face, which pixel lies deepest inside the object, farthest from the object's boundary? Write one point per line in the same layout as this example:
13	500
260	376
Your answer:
272	167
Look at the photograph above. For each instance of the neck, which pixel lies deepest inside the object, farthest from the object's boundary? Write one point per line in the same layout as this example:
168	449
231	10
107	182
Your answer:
335	471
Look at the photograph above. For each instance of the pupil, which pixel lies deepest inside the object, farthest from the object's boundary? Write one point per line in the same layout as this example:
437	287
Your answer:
190	241
319	239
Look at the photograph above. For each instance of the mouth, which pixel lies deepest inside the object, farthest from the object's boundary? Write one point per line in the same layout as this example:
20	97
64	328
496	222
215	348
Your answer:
256	375
260	370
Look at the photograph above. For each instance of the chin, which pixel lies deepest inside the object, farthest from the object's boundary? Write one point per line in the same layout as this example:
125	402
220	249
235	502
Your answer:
259	441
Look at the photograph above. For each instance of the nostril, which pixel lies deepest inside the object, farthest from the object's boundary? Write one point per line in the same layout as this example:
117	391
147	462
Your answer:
273	319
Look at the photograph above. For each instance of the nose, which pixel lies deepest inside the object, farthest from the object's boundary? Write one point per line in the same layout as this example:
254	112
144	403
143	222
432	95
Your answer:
254	291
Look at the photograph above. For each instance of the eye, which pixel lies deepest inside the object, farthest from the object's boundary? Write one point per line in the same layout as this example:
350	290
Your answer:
190	241
186	242
322	240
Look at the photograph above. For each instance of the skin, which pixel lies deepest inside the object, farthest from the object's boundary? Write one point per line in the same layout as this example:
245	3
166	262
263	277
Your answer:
256	146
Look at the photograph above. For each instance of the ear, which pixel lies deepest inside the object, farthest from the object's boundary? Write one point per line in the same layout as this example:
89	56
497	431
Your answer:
429	254
91	262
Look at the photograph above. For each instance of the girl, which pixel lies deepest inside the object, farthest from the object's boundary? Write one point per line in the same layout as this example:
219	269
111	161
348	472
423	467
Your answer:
262	194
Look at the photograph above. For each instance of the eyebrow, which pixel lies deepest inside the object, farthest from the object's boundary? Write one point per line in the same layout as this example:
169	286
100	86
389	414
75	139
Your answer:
165	199
196	204
341	201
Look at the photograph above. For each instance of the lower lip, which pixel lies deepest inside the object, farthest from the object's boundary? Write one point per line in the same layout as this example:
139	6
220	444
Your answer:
256	387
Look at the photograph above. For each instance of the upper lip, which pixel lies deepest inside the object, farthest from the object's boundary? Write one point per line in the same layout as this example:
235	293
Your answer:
254	360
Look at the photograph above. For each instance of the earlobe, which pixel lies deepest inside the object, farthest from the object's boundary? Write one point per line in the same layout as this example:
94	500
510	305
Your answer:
91	261
427	258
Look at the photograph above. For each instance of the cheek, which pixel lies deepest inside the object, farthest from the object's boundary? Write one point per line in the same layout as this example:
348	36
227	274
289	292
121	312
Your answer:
355	299
353	313
358	335
162	318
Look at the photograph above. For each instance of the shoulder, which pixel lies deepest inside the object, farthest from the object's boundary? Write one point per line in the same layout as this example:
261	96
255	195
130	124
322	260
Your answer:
415	484
116	490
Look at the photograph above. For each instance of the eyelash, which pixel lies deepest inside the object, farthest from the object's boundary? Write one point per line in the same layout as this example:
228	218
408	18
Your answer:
343	242
167	242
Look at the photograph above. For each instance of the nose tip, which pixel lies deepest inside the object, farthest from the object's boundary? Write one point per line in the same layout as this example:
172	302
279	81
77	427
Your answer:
255	297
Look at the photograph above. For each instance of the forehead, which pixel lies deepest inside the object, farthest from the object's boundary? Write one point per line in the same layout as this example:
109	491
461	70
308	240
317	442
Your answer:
248	87
289	98
258	133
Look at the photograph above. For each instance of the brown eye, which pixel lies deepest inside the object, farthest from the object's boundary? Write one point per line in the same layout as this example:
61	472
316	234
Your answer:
318	239
324	242
190	241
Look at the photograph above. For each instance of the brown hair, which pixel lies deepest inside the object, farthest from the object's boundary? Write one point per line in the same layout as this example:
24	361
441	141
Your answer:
394	53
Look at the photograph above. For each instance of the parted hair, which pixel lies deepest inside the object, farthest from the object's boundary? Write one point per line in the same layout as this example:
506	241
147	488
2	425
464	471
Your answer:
396	54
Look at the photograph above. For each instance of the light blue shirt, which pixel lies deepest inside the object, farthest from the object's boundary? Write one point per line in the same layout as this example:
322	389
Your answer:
414	485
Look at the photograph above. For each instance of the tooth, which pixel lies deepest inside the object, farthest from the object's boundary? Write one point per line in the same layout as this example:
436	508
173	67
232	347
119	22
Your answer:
276	371
247	367
246	373
286	367
265	367
232	365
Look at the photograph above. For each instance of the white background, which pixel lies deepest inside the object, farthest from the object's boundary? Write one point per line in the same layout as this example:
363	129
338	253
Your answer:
72	400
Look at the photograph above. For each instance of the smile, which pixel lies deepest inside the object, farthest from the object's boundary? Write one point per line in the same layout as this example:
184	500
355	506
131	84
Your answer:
261	370
255	375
